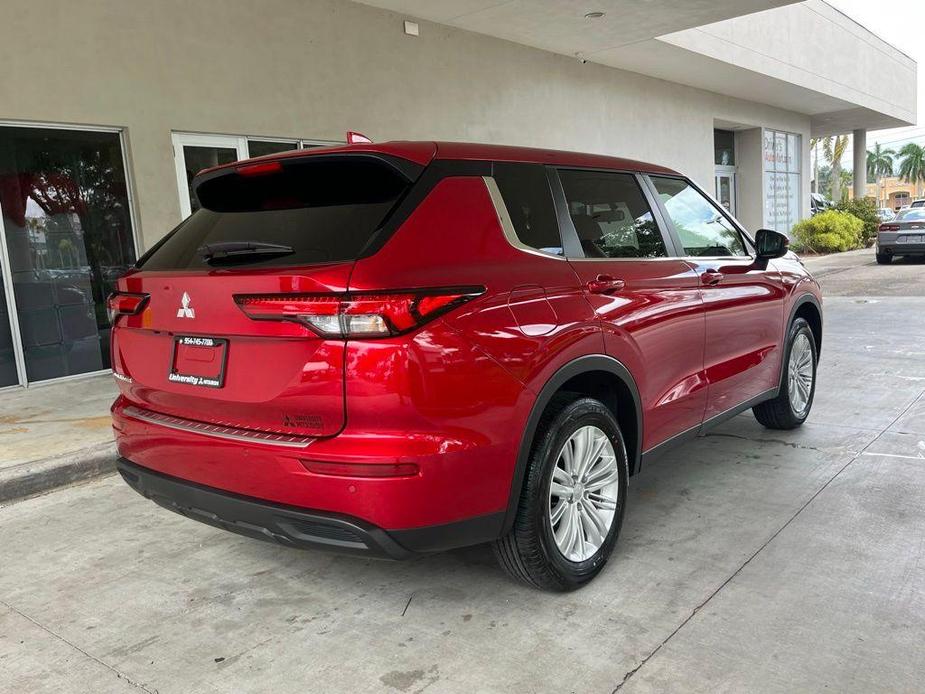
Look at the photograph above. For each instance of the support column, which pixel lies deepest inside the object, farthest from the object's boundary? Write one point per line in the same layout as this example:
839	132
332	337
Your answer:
860	164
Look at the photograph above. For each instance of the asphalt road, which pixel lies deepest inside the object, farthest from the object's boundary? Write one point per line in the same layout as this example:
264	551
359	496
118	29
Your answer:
750	560
857	274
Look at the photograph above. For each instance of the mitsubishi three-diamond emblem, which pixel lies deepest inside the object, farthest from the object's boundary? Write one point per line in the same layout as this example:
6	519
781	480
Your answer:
185	310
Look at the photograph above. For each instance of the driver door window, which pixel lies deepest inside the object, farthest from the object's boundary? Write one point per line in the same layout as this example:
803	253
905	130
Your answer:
701	227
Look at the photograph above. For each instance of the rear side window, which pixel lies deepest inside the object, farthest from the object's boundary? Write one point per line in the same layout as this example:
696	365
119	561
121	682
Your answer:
526	194
611	215
317	209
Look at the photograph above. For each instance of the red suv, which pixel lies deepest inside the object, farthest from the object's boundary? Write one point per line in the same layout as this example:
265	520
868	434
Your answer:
401	348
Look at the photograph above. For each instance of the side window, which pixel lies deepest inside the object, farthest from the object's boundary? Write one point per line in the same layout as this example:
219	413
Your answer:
701	227
526	194
611	215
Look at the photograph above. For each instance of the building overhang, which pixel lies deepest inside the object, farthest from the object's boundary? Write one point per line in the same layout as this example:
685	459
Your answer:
805	57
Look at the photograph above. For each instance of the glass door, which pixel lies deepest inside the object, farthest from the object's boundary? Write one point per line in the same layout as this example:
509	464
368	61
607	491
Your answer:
726	188
67	235
193	153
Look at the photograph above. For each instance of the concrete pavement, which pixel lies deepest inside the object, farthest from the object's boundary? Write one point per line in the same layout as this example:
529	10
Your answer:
56	434
750	560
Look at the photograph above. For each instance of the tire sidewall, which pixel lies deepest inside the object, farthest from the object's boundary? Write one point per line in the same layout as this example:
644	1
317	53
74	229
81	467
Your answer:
582	412
800	327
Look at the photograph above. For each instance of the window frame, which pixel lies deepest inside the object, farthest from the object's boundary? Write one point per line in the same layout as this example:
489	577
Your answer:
747	241
571	244
504	214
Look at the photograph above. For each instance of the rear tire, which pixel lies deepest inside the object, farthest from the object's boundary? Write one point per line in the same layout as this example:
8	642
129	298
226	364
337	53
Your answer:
884	259
794	401
567	524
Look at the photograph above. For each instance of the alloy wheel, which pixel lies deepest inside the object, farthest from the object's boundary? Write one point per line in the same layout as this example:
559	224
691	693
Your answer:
800	374
583	493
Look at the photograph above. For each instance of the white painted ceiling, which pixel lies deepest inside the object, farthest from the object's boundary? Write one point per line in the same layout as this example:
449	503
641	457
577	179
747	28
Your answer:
560	26
651	37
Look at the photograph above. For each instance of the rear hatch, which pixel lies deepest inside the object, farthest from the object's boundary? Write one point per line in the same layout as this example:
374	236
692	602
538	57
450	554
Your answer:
184	347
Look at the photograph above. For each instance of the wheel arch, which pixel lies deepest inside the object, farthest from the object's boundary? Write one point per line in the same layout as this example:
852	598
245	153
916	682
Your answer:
599	376
807	306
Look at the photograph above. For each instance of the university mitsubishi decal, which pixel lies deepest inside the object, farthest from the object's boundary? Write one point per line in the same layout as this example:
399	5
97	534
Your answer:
185	311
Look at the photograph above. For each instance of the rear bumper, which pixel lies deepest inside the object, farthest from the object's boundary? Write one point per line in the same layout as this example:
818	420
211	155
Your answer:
892	247
302	528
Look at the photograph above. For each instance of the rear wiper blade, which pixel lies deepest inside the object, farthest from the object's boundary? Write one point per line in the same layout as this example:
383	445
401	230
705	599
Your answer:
239	249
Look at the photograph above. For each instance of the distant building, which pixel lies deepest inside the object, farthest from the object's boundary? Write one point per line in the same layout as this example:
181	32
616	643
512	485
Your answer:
892	192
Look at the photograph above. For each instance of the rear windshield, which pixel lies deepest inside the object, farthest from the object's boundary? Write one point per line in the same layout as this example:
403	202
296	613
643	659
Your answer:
916	215
325	209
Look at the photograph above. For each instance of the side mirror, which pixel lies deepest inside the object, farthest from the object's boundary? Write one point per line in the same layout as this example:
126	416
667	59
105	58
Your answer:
770	244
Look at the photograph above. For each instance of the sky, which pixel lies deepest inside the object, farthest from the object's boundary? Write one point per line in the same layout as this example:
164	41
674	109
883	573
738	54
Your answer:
900	23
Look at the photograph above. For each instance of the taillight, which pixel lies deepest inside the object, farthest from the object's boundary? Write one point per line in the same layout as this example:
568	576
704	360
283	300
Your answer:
374	314
889	227
119	304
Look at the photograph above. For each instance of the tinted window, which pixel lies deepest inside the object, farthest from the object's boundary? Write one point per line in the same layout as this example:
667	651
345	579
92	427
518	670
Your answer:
525	190
911	215
703	230
611	216
326	209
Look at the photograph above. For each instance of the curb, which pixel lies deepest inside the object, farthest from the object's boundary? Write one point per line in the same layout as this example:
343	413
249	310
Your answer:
39	476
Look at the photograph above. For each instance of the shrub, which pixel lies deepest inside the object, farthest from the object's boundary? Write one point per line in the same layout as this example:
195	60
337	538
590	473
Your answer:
865	210
829	231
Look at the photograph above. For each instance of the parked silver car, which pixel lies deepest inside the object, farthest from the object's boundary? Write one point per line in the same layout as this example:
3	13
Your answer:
903	235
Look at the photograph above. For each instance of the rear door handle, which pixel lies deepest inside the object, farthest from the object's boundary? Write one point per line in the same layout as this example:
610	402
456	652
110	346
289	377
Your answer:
711	277
602	284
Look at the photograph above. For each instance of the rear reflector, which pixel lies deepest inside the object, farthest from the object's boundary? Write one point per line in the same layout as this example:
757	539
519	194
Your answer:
125	305
357	315
360	469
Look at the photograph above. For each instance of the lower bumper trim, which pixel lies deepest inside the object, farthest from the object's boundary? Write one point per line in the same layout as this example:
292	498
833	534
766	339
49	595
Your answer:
296	527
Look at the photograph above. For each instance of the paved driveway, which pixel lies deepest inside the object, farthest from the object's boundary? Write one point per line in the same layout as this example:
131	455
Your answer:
750	561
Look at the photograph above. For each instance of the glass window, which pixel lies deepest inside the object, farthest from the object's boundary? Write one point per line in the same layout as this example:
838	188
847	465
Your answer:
611	215
724	150
703	230
525	190
782	165
68	232
197	158
258	148
322	210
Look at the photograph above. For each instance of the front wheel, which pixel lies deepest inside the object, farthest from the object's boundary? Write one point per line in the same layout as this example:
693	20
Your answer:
798	388
571	506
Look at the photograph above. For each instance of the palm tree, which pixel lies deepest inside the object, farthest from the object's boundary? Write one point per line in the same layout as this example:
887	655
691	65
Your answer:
879	164
912	166
833	148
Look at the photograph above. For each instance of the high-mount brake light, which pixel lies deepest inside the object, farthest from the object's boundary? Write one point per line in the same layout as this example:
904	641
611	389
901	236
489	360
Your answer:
122	304
367	314
261	169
